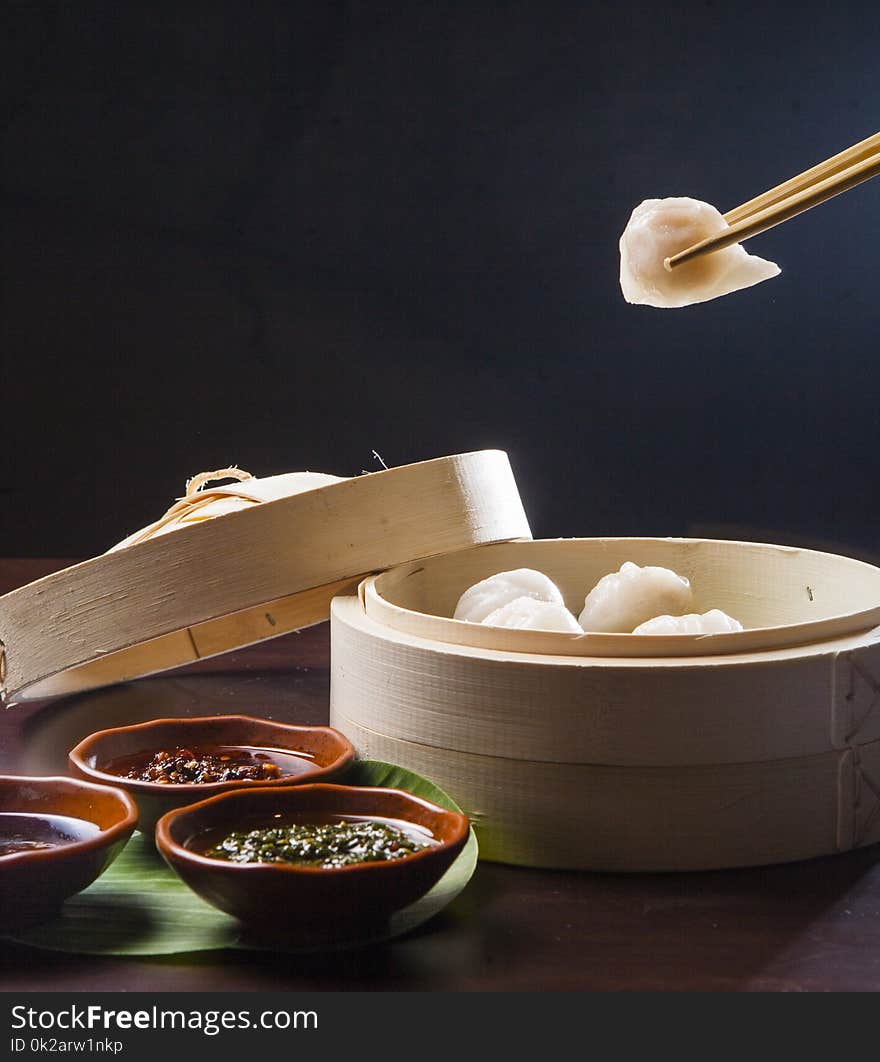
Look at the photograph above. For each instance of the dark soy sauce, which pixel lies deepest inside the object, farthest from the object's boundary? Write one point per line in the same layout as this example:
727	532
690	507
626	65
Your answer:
214	763
29	832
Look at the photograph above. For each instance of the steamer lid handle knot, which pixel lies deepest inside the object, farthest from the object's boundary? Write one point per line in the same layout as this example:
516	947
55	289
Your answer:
193	499
196	483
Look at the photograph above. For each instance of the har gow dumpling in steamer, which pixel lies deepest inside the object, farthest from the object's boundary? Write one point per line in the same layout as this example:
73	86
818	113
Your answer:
712	622
500	589
622	600
660	228
527	613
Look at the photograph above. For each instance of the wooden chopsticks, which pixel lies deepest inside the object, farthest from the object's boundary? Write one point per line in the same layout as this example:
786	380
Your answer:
838	174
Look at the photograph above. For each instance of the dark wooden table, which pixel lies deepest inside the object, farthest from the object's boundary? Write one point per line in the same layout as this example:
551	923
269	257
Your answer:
805	926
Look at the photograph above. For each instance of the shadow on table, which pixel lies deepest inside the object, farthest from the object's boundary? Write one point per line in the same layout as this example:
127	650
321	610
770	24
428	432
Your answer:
799	927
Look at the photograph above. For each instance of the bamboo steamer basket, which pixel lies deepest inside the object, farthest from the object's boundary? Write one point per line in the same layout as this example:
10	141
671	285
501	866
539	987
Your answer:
624	752
244	576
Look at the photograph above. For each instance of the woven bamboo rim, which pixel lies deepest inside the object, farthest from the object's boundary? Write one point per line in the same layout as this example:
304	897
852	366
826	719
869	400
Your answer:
245	576
796	701
785	596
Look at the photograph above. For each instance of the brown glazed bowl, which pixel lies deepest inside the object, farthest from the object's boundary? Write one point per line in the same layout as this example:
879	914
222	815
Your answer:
34	884
331	751
313	901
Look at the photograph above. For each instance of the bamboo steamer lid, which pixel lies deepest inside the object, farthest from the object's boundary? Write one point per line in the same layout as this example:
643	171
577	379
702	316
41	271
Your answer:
247	575
608	752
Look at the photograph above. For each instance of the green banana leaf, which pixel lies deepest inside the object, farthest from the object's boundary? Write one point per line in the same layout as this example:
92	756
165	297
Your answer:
140	907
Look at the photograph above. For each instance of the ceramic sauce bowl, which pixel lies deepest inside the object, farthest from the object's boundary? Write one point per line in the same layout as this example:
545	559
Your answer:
325	902
303	753
56	836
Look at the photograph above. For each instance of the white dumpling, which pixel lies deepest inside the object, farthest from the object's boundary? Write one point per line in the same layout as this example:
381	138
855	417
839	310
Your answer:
622	600
484	597
660	228
712	622
527	613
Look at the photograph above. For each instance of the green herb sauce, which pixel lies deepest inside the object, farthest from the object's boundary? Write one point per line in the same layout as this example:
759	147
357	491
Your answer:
321	844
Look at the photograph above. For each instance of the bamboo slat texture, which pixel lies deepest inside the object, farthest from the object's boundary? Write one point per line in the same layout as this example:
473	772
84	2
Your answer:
766	750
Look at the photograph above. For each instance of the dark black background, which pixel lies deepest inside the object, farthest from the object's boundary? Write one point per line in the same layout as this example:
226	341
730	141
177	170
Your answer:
286	234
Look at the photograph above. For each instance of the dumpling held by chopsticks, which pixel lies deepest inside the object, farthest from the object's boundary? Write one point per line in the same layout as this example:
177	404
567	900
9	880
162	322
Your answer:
660	228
